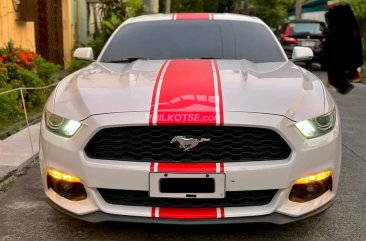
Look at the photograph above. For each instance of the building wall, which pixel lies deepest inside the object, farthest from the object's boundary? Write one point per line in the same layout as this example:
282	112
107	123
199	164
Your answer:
83	20
80	21
320	16
22	33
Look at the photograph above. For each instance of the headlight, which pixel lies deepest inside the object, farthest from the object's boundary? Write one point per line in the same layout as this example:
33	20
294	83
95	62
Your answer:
60	125
317	126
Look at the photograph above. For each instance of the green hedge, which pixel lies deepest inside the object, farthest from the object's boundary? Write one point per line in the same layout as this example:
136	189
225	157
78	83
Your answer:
22	68
9	107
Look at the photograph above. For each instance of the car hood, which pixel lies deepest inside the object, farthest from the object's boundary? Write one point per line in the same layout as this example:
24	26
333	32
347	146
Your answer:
271	88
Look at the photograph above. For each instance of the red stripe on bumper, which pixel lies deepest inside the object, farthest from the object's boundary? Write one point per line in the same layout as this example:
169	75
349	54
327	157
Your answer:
152	166
222	211
188	167
187	213
221	167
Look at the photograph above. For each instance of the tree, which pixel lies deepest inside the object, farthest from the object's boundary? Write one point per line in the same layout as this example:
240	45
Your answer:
187	6
134	8
114	12
122	9
272	12
200	5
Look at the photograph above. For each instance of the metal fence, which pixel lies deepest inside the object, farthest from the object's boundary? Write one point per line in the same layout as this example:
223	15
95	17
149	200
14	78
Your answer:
21	92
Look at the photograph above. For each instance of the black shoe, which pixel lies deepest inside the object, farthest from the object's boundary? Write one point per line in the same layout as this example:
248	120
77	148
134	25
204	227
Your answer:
346	89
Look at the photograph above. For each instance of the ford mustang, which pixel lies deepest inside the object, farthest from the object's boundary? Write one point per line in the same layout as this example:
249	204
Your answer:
191	118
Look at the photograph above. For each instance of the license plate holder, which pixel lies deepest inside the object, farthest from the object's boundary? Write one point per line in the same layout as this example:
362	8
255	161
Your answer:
309	44
191	185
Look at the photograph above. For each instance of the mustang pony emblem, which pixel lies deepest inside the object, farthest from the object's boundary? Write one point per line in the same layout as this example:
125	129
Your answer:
187	143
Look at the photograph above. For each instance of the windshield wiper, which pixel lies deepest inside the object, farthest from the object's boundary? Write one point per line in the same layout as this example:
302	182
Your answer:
126	60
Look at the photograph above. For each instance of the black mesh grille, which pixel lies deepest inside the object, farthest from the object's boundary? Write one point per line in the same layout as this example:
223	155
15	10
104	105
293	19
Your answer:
227	144
232	199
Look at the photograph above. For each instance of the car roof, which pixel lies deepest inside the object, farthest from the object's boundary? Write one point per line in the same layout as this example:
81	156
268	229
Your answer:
213	16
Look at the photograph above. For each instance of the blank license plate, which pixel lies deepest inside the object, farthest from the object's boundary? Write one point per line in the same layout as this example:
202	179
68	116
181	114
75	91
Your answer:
178	185
308	44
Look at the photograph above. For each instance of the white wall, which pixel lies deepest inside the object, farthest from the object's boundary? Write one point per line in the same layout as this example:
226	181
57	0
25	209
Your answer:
314	16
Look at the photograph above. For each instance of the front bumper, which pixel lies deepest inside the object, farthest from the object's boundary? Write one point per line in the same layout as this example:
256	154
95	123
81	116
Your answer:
274	218
308	156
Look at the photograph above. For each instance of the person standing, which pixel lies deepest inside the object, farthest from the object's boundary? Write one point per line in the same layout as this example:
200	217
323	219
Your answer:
343	47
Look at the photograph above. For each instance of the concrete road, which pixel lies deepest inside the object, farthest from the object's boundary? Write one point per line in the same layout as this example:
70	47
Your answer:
24	214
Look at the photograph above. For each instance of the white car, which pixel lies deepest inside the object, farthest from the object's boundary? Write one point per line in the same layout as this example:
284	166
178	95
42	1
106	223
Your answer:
191	118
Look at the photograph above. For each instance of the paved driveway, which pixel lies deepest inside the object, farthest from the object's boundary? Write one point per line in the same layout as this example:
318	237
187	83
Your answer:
24	214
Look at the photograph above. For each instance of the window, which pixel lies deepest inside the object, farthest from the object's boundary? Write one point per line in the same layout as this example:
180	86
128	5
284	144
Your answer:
219	39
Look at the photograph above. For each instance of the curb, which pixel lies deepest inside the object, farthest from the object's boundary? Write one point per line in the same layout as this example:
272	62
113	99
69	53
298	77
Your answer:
20	124
18	152
14	170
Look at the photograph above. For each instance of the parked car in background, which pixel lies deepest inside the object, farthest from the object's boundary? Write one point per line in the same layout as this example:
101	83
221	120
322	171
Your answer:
304	33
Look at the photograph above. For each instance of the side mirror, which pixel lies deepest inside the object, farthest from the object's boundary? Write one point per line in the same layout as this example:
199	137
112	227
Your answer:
302	54
85	53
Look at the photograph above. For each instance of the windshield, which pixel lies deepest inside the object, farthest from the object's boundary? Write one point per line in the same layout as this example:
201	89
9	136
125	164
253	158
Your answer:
307	28
219	39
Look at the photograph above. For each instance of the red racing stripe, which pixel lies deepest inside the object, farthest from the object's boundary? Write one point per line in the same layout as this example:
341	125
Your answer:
187	94
153	99
222	211
152	166
219	89
221	167
192	16
187	213
188	167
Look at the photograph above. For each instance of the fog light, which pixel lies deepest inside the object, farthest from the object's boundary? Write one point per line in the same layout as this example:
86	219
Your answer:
311	187
67	186
317	177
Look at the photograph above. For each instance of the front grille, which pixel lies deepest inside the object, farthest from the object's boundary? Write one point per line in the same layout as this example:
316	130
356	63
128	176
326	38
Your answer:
232	199
227	144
